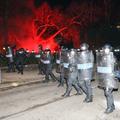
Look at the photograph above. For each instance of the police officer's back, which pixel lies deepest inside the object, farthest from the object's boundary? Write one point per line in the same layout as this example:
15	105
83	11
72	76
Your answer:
20	60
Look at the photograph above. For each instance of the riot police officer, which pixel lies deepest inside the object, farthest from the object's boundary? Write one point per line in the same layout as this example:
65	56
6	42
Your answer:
10	56
39	56
47	61
20	60
85	70
72	73
62	62
105	72
63	66
59	65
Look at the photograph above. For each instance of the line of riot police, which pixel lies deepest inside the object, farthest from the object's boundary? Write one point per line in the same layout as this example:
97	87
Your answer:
16	59
45	63
76	68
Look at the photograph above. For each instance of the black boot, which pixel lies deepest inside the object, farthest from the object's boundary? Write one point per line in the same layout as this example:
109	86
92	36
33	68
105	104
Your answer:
67	93
46	81
113	106
21	72
61	83
88	99
78	89
109	110
79	93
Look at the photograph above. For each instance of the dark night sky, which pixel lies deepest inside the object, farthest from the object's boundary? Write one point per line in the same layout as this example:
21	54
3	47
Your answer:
114	5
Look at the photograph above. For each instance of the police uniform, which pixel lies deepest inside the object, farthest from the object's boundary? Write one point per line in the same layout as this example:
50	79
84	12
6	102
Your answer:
85	70
47	61
39	57
105	74
59	66
70	65
20	60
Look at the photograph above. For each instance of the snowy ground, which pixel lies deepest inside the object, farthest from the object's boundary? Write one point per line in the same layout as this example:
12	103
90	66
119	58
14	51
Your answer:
43	101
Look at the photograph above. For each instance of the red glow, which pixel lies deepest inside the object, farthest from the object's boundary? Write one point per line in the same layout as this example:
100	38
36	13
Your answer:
42	25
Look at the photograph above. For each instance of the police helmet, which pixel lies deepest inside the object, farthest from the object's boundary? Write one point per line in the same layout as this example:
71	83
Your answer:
72	51
84	46
47	50
107	48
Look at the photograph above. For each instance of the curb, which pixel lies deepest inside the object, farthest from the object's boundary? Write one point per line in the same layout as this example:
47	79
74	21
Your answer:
19	85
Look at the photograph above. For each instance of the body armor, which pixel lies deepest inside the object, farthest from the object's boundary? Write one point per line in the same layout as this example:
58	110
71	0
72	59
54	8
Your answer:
47	61
106	70
64	62
72	72
85	65
20	60
58	62
72	67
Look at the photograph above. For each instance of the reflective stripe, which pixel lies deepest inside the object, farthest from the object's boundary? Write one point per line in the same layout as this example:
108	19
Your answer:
85	66
65	65
20	52
58	61
42	60
104	69
45	61
10	55
37	56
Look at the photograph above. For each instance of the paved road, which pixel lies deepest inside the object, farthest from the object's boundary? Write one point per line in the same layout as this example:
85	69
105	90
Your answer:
44	102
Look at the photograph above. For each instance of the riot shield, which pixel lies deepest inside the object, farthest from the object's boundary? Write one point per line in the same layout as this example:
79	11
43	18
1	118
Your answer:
106	70
85	63
64	63
58	62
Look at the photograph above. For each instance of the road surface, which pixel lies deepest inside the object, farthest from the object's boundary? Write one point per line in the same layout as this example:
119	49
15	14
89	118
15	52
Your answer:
43	101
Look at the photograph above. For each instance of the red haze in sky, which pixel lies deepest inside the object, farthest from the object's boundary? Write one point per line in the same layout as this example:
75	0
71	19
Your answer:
28	26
